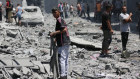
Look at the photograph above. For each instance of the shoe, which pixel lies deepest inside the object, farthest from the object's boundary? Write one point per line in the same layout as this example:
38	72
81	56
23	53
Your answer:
106	55
102	55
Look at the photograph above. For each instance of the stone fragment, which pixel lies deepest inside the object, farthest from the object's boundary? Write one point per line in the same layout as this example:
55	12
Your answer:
11	33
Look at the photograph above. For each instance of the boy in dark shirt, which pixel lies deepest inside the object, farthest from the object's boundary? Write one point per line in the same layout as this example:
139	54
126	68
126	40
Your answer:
107	30
63	41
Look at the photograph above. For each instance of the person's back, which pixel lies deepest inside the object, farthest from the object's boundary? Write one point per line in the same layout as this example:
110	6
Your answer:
98	5
105	17
61	8
19	10
83	6
78	7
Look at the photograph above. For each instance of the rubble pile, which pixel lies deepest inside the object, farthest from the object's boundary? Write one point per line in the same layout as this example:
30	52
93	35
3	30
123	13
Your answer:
86	63
24	52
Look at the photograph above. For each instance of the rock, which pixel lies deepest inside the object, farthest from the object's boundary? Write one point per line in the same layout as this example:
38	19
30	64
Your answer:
17	72
26	71
85	44
108	67
11	33
112	76
38	63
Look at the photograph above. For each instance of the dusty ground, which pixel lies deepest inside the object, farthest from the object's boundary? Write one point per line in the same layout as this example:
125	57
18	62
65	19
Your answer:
83	63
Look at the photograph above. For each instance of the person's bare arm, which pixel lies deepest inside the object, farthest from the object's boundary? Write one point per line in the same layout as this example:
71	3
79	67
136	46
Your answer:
109	26
58	32
128	19
16	10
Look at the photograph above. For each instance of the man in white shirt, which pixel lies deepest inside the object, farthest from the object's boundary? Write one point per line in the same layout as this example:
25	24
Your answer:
125	19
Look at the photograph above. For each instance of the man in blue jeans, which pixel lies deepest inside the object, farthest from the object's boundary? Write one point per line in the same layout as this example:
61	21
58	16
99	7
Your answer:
63	41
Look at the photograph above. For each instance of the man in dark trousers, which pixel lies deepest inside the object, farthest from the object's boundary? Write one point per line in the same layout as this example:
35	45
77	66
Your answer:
107	30
62	39
88	11
125	20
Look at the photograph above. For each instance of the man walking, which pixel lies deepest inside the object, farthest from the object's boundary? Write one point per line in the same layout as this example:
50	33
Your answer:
125	19
83	9
107	30
62	38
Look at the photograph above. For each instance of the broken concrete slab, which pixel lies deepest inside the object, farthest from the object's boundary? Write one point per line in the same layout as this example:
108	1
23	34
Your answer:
17	72
47	68
40	65
26	71
86	44
24	62
11	33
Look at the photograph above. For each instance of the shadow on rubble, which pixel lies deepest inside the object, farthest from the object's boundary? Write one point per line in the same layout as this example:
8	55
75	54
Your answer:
88	47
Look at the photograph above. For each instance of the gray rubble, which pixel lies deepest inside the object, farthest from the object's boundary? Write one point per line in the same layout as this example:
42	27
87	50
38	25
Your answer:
25	51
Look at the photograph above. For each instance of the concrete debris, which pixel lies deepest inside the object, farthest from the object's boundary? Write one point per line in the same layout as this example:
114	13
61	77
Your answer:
26	71
11	33
85	44
17	72
25	51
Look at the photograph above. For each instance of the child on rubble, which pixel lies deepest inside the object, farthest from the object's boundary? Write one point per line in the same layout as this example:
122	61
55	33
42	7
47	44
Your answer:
63	42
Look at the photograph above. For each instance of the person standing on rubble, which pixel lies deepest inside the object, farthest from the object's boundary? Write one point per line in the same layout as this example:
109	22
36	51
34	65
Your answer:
78	9
19	11
63	41
61	9
88	11
107	30
7	9
83	10
125	19
0	11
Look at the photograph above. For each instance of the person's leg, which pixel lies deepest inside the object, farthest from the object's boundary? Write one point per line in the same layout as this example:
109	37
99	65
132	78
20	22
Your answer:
19	20
139	32
63	51
126	38
6	15
107	41
123	40
84	14
67	56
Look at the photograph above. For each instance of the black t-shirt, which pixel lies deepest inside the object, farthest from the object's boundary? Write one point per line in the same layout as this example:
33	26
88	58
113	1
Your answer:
105	16
0	9
63	38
